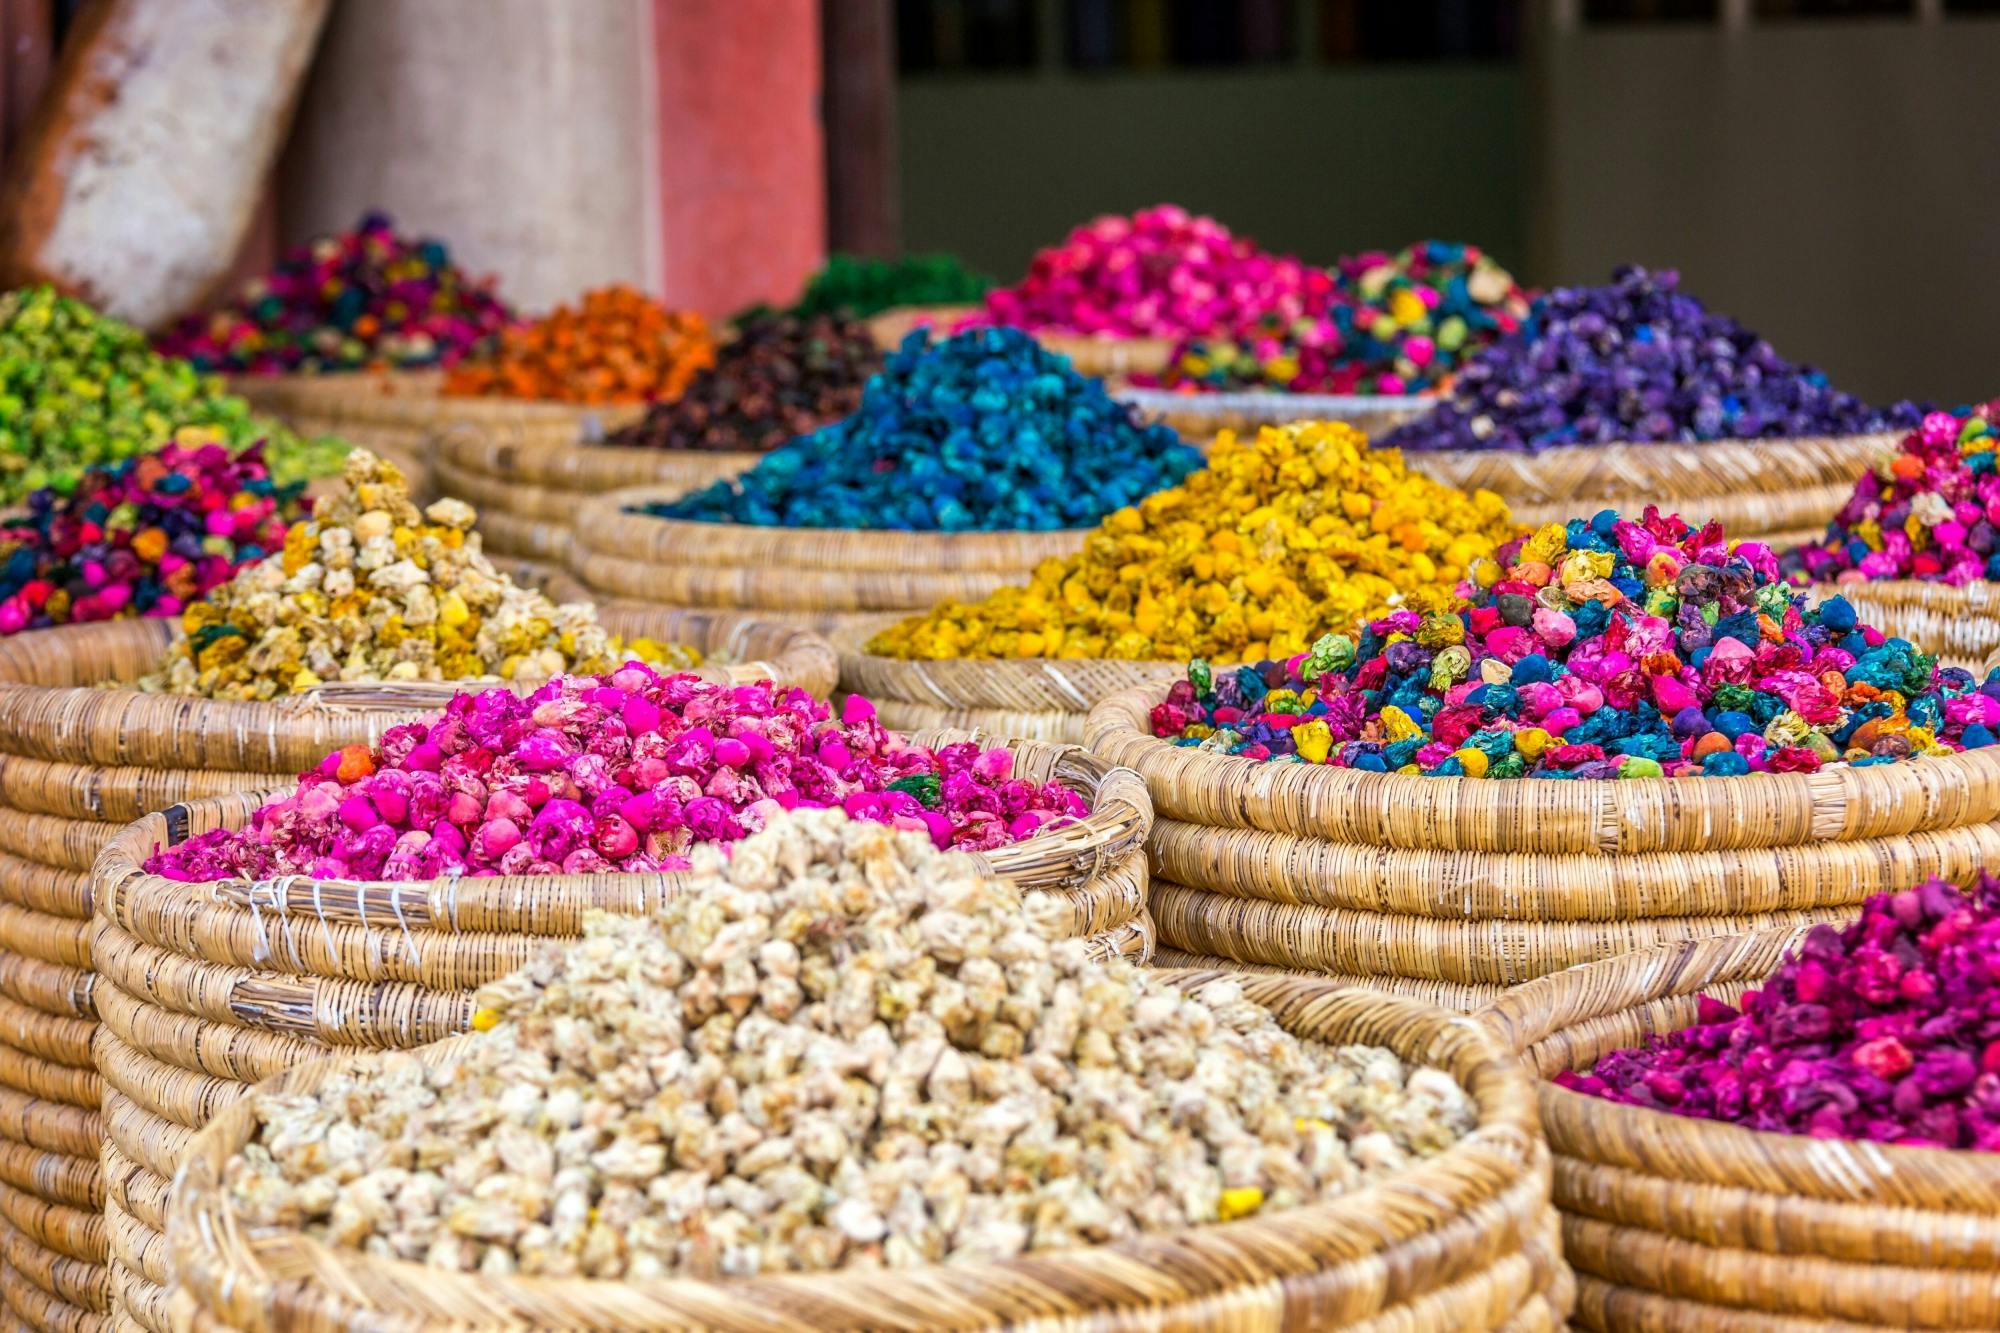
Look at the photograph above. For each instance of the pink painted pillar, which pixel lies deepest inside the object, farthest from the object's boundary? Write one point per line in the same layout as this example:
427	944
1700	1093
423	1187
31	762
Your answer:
742	182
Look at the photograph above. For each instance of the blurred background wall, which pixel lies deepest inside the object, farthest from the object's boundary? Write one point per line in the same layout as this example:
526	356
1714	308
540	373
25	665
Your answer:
1823	169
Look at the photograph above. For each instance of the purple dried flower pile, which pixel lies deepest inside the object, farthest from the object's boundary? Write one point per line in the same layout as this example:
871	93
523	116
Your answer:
1888	1030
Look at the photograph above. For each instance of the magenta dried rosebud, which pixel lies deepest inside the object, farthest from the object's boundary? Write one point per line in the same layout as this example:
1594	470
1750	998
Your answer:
545	751
464	809
640	715
583	861
504	804
614	839
424	757
495	838
357	814
856	711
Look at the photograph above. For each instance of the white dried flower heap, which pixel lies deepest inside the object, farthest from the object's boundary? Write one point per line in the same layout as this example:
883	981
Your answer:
371	588
840	1047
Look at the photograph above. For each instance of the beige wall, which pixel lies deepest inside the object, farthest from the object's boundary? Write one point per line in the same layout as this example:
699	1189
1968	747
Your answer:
515	129
1832	185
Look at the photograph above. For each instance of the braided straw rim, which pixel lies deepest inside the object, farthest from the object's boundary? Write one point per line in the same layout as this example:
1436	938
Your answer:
1698	1223
856	573
1460	1240
546	461
1032	684
414	402
53	709
1576	473
1793	810
1961	624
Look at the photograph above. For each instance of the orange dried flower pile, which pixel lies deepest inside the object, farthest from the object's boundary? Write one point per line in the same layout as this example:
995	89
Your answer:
617	346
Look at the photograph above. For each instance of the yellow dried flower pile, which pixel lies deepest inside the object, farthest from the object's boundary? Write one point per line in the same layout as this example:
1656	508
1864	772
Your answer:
1279	539
373	589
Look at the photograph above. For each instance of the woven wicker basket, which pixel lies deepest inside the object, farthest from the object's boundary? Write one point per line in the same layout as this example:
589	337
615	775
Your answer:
203	990
832	580
1463	1241
1198	417
1496	883
1041	698
1685	1224
398	415
1463	998
1753	487
1961	625
77	763
532	478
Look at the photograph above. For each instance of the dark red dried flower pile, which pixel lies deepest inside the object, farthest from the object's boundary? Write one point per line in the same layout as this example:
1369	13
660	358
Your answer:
1888	1030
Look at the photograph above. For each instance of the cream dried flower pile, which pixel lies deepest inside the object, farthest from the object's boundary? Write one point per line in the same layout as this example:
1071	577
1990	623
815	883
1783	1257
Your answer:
839	1047
371	588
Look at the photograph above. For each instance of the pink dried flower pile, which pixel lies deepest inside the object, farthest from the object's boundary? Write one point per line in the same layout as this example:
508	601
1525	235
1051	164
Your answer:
1888	1030
621	772
1162	272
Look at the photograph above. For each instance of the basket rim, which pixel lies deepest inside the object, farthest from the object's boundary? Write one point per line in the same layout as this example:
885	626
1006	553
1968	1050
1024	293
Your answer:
803	656
1981	595
1254	402
551	460
1501	1158
1115	729
980	682
1522	1016
604	516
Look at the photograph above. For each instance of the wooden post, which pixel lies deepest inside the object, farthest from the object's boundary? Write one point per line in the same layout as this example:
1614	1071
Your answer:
27	42
864	204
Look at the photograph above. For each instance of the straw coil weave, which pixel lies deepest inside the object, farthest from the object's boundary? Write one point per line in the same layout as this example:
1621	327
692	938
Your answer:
1465	1240
842	578
1037	699
400	414
1961	625
202	992
1492	884
533	477
1680	1223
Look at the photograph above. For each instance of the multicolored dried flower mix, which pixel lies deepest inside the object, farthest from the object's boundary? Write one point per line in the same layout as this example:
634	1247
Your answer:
617	345
373	589
778	378
983	431
1397	324
1602	649
900	1067
1637	359
625	771
1888	1030
1162	272
144	537
1929	510
362	298
79	389
1304	525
